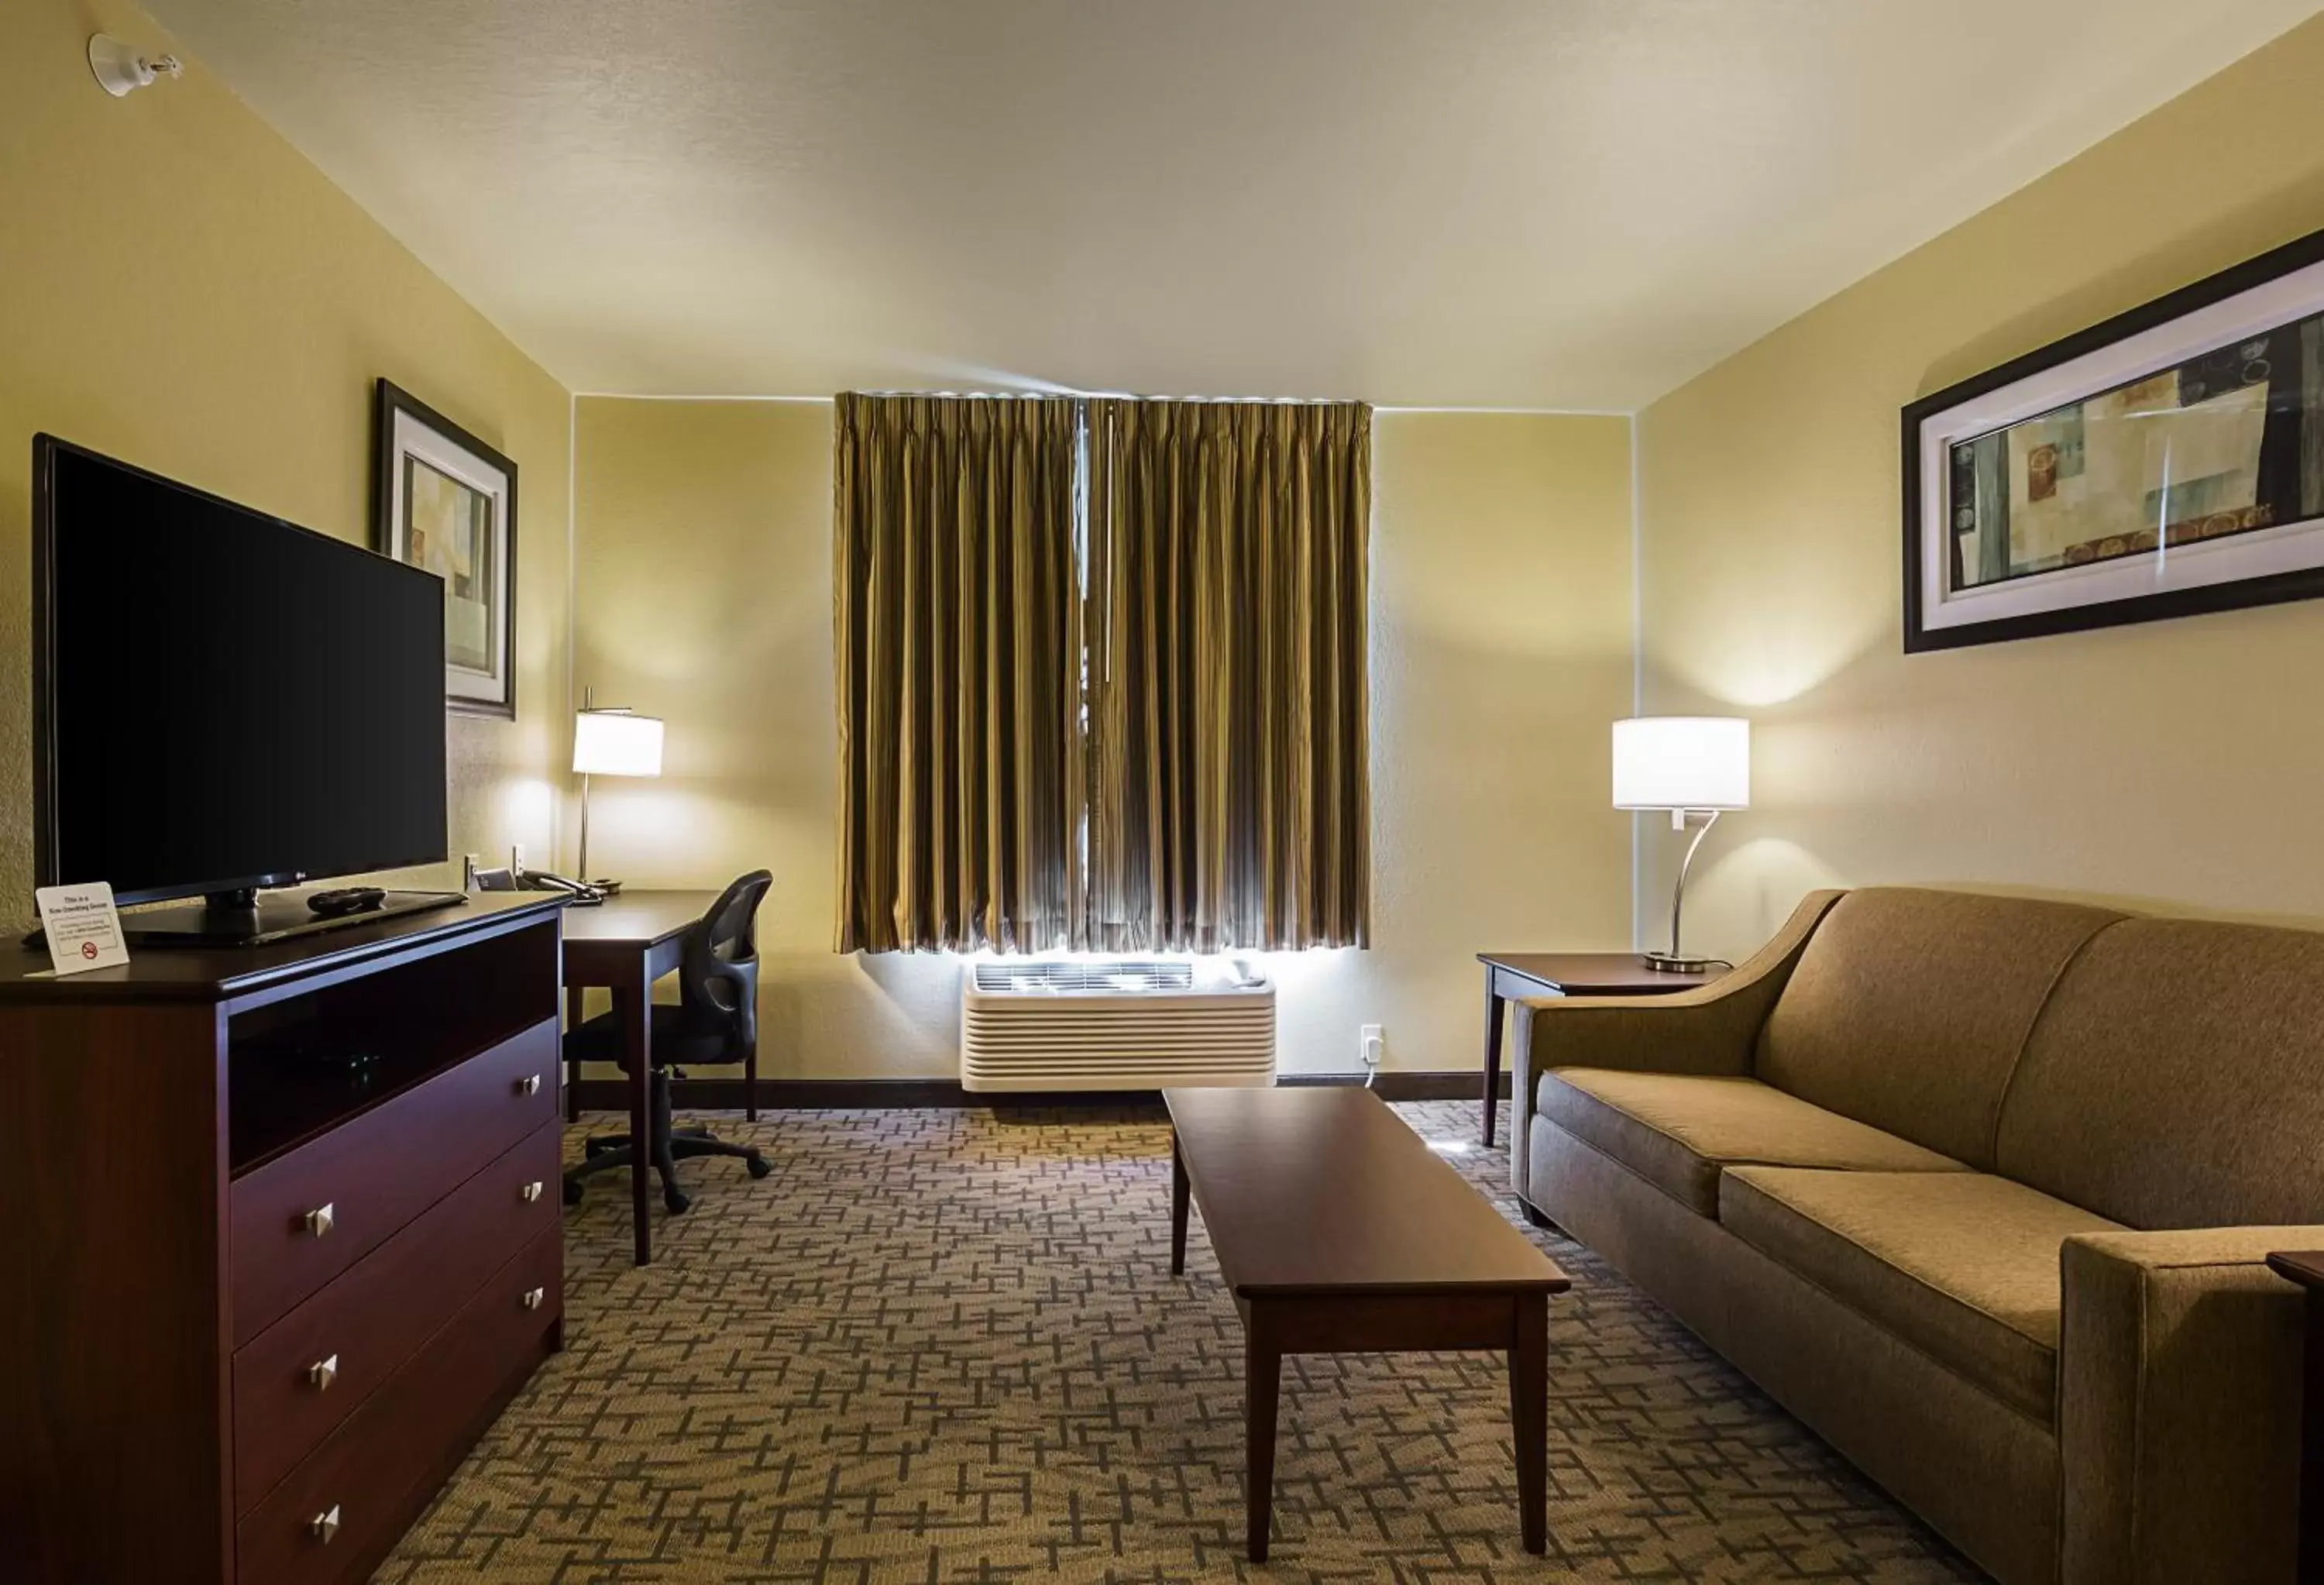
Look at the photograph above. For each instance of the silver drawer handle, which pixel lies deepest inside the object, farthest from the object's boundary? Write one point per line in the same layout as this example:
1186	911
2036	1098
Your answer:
529	1192
324	1372
529	1085
321	1220
533	1297
325	1526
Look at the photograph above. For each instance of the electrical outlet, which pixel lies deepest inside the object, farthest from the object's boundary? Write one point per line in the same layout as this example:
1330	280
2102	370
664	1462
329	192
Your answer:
1370	1044
516	857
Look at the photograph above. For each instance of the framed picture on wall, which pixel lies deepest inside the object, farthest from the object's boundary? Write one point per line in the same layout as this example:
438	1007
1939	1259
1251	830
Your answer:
2168	462
445	501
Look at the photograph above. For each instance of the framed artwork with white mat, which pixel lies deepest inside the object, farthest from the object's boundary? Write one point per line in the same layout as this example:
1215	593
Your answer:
2166	463
445	501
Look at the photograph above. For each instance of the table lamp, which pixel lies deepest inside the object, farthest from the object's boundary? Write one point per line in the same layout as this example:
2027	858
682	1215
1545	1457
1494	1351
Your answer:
1695	766
611	741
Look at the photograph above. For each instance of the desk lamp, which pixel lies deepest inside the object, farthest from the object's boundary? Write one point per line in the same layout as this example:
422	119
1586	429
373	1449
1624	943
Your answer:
1695	766
611	741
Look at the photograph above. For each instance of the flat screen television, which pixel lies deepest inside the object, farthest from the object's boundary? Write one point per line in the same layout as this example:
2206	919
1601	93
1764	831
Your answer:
223	701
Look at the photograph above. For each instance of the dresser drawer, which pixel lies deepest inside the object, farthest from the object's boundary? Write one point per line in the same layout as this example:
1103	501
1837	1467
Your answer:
310	1370
296	1223
335	1515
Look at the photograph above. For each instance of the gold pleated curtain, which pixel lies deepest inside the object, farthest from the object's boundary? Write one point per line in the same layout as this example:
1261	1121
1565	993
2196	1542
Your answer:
959	654
1230	801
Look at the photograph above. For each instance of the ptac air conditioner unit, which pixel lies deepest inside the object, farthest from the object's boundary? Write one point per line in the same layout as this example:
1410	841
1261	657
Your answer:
1056	1024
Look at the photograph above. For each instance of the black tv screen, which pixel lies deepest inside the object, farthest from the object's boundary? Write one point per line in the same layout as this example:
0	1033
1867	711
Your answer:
223	699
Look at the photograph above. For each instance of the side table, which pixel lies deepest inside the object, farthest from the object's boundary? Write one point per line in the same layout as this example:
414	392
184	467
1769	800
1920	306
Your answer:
1512	975
2306	1267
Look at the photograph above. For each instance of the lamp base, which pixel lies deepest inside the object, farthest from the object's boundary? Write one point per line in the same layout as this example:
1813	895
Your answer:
1664	963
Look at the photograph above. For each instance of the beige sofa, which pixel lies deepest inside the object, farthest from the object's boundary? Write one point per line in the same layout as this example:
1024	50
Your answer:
1980	1188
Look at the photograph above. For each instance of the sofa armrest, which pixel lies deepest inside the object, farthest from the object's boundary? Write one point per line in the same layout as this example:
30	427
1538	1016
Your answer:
1710	1029
2179	1396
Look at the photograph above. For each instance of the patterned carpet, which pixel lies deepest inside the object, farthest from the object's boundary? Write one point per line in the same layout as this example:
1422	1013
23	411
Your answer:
944	1346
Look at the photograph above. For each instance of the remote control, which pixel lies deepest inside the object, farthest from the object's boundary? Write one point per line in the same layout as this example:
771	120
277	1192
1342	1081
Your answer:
346	900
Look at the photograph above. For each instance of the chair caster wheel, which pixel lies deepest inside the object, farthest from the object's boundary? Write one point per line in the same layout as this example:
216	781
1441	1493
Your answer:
572	1194
758	1165
676	1202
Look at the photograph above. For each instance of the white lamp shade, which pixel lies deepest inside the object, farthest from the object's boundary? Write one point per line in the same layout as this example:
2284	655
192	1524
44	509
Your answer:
615	743
1683	763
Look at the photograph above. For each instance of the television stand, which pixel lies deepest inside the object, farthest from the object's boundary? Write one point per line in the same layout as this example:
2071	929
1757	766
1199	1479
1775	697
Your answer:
244	1177
248	919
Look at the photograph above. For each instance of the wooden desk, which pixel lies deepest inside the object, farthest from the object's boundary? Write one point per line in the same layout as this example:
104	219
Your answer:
1341	1233
625	944
2306	1267
1512	975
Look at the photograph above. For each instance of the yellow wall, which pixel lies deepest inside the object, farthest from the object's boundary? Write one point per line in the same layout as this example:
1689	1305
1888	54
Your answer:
2176	762
1501	649
179	288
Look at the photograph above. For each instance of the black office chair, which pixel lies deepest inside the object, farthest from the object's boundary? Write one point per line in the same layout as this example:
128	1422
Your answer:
716	1020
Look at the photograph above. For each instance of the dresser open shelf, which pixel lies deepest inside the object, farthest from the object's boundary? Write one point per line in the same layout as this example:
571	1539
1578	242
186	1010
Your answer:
302	1065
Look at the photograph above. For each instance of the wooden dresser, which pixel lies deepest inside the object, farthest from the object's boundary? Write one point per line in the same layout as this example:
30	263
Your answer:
281	1236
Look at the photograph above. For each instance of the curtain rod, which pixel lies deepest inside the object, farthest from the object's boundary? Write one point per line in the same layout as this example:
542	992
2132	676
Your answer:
1118	396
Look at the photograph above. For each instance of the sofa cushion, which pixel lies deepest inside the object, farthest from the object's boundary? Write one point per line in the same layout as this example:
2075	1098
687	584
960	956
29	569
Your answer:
1679	1130
2173	1080
1962	1266
1909	1009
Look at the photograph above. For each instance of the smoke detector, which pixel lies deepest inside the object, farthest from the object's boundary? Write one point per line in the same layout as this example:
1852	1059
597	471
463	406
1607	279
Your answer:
121	69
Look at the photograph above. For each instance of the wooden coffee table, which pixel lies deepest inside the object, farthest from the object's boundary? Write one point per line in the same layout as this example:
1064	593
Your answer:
1341	1233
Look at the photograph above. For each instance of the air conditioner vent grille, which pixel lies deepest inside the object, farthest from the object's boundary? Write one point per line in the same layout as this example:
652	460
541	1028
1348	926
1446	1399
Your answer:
1123	978
1120	1024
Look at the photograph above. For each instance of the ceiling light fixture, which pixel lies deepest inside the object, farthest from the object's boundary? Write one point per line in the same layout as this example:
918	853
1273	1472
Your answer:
121	69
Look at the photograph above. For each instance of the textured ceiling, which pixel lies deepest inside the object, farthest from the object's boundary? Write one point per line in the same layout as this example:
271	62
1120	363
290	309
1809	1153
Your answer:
1524	203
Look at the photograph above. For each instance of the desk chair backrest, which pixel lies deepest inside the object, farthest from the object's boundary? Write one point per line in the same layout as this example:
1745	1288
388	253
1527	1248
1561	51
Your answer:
718	970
